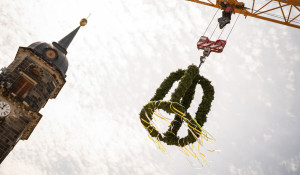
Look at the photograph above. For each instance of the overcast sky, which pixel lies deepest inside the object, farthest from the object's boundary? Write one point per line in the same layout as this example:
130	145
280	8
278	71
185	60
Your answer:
118	61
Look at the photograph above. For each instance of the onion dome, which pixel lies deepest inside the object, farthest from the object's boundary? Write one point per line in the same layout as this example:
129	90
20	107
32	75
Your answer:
56	52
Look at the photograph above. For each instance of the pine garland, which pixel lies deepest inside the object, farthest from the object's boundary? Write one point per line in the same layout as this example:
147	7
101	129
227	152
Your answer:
180	101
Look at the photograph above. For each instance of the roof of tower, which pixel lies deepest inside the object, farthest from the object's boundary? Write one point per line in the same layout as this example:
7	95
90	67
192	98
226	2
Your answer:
64	43
55	53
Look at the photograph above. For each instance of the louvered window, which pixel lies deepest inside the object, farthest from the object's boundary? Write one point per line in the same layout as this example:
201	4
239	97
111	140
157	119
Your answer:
21	87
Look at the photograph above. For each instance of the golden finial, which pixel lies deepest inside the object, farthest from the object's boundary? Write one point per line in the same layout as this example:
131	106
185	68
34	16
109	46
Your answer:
83	21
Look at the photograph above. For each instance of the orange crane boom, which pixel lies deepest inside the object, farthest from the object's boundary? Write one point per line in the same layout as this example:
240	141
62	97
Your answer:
288	19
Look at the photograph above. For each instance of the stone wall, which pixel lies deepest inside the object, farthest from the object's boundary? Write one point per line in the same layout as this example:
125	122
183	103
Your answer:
11	131
44	83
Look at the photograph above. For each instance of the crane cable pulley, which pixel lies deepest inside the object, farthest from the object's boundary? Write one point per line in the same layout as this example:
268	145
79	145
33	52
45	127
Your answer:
207	49
217	25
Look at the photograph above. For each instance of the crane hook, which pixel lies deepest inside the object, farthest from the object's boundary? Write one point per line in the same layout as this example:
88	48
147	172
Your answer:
206	53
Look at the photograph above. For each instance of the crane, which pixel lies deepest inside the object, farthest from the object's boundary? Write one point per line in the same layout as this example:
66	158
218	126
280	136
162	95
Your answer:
233	6
286	13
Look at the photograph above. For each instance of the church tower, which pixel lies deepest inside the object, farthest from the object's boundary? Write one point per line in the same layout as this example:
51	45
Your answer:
36	75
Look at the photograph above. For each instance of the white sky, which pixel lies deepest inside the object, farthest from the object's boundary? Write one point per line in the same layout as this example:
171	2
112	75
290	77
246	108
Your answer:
119	59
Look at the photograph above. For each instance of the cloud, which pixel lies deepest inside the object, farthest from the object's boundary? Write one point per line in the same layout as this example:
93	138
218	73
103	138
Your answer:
116	63
267	137
292	164
255	168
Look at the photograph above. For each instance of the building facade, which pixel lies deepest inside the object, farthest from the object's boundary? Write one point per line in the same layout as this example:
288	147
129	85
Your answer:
36	75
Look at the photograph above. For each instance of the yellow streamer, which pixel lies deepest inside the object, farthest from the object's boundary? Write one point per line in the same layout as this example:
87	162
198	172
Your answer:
162	118
162	148
181	113
146	121
193	151
188	122
212	138
184	151
194	155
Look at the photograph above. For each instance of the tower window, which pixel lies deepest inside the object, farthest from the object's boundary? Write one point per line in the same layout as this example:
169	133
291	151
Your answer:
21	87
36	71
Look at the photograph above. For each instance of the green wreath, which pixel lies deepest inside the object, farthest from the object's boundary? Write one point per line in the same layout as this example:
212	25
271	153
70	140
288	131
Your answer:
179	103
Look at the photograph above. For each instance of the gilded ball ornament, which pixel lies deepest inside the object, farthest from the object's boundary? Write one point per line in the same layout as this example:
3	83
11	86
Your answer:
83	22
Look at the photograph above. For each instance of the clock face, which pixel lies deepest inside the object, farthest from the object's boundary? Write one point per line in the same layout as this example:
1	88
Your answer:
50	53
4	109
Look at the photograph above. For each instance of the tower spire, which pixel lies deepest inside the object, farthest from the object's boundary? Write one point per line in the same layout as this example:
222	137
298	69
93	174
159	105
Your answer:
64	43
